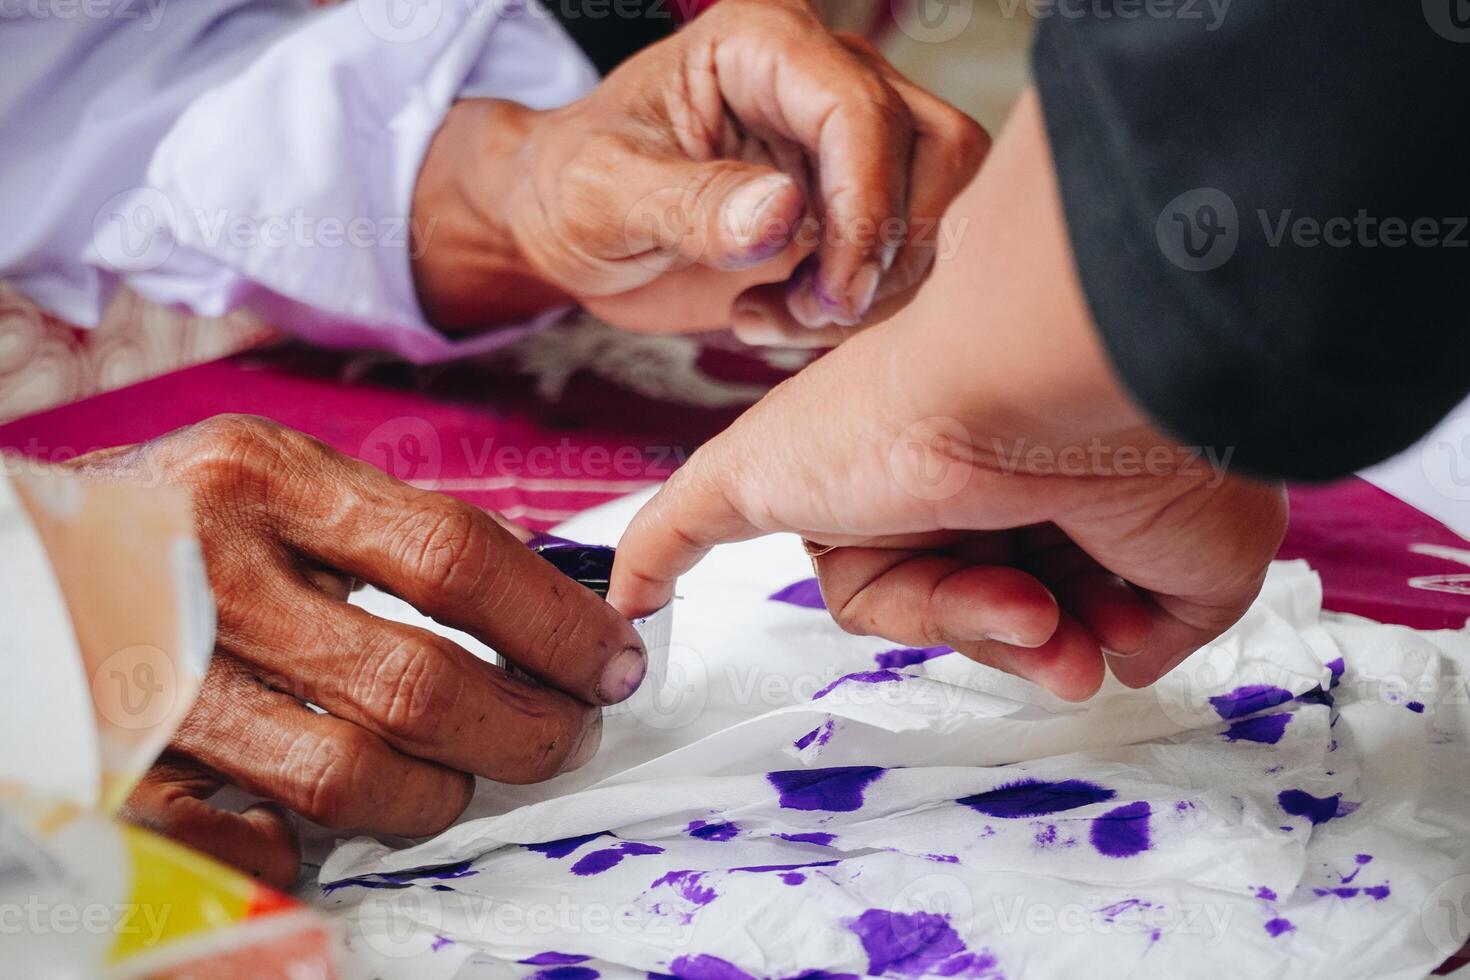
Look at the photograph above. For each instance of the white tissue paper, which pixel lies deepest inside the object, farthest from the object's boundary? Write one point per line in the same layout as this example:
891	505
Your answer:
792	801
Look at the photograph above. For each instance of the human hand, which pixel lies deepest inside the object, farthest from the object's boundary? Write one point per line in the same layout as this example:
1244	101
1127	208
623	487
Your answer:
984	481
753	171
287	526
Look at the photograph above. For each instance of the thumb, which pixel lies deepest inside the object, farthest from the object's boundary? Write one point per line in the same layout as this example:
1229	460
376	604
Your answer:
725	214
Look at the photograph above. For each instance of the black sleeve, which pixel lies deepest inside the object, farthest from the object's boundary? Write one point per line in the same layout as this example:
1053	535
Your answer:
1267	200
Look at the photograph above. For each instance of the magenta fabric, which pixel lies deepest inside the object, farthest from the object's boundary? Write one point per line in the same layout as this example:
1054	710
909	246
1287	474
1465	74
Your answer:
482	435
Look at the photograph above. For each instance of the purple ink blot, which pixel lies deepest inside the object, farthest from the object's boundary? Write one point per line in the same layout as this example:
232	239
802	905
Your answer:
836	790
566	973
1036	798
1415	706
1266	729
1378	892
439	943
758	868
815	837
1265	894
808	738
1339	892
561	848
807	593
1248	700
861	677
943	858
916	945
1122	831
596	862
705	967
443	872
1278	927
793	878
688	885
554	959
713	831
1318	809
1336	667
908	656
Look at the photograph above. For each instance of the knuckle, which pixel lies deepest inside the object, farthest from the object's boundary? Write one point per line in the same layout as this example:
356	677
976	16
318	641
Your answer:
442	546
404	691
966	139
326	774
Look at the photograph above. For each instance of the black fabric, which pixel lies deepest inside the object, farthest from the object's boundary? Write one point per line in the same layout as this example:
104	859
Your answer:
611	31
1310	360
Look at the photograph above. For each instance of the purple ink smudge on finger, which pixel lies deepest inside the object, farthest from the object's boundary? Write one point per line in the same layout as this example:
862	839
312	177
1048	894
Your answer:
1278	926
1266	729
807	593
861	677
836	790
596	862
1036	798
564	847
908	656
553	958
1122	831
720	832
705	967
813	837
1249	699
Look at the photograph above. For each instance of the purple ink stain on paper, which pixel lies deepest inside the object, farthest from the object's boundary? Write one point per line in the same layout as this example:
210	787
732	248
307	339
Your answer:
1266	729
814	837
1123	831
705	967
439	943
689	885
943	858
908	656
836	790
861	677
1278	927
553	958
562	848
566	973
1036	798
596	862
442	872
1265	894
1336	668
1318	809
713	831
793	878
1361	861
1248	700
1377	892
821	735
807	593
916	945
762	868
1415	706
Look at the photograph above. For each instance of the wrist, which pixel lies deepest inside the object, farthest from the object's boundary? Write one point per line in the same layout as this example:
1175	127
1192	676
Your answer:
468	267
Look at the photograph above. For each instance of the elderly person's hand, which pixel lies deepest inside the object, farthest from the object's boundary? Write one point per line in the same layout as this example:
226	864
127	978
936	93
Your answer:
287	525
754	171
978	477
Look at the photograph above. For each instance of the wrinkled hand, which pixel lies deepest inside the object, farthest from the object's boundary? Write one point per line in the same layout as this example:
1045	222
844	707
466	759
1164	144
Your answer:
1040	553
287	526
754	171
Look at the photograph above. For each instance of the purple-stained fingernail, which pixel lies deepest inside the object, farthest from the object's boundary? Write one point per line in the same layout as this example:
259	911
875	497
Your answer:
622	675
801	297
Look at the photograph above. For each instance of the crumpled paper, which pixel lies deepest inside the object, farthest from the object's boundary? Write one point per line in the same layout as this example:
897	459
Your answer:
794	801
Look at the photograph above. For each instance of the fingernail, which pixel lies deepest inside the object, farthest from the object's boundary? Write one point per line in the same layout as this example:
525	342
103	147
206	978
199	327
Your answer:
1014	640
587	745
863	288
754	326
802	301
1120	654
622	675
745	209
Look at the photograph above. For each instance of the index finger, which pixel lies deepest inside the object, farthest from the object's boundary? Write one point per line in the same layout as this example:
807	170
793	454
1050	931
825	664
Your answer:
688	516
454	563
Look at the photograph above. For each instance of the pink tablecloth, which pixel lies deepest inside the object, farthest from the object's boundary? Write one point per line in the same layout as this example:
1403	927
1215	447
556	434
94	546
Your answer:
483	435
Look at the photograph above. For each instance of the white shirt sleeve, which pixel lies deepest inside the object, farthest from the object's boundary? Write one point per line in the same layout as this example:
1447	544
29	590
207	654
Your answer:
223	153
